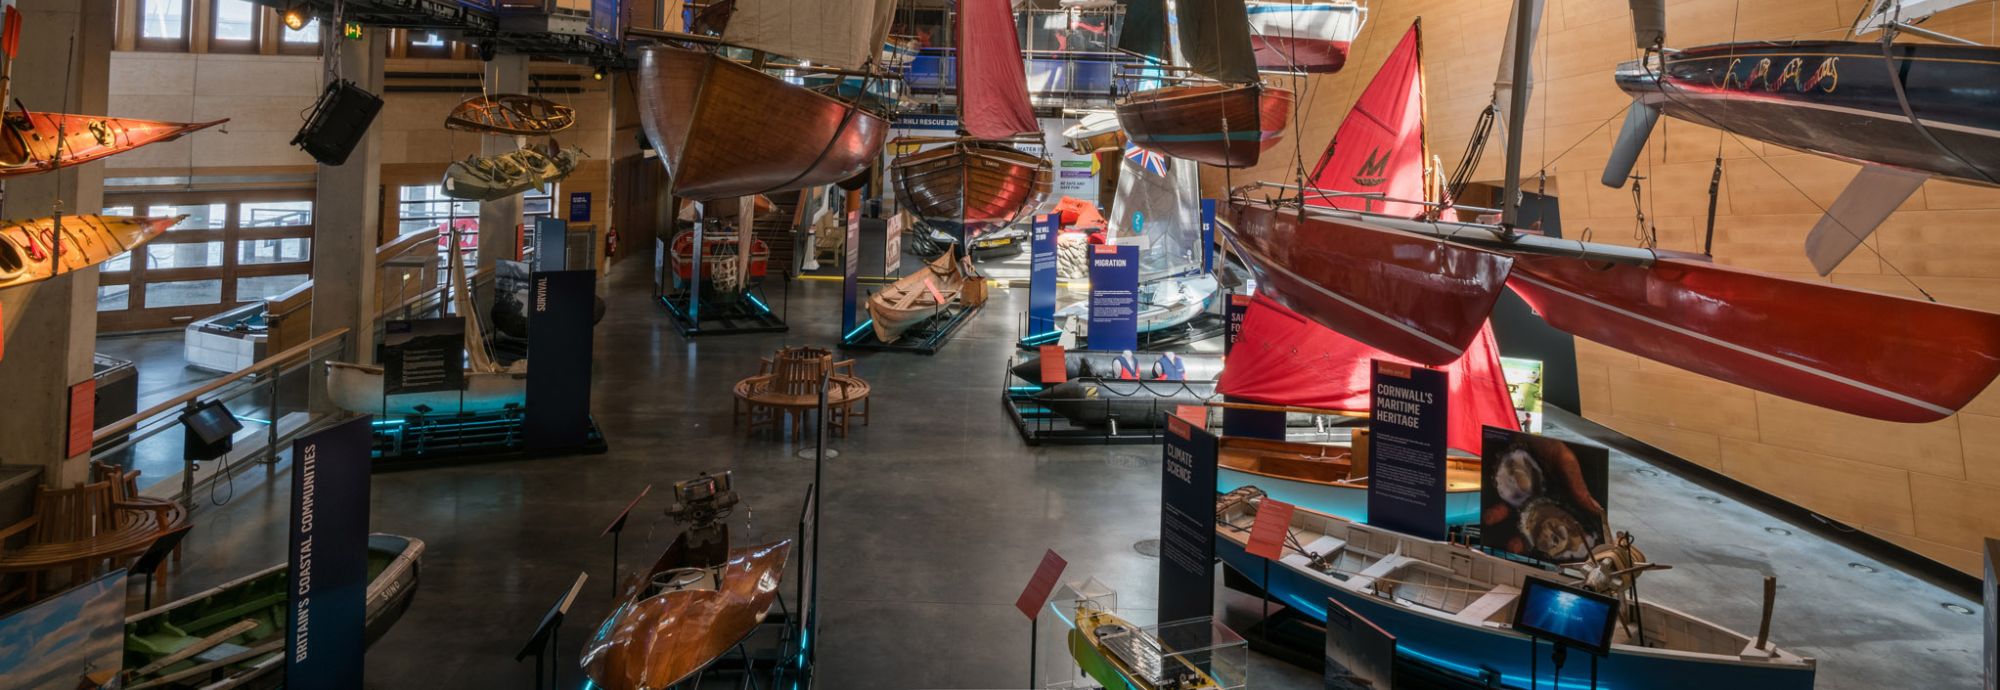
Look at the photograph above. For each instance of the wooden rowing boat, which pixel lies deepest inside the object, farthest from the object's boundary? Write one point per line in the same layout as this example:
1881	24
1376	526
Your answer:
945	281
1226	125
28	248
1309	37
484	178
511	113
1098	130
1118	654
32	142
683	615
1327	479
726	130
971	187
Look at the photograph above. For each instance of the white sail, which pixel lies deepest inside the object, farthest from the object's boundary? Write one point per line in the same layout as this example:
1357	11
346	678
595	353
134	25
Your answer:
1158	209
841	33
1880	12
477	357
1503	85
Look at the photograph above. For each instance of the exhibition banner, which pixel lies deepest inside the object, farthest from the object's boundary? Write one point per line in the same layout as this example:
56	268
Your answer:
1406	447
1187	522
850	269
423	355
1207	235
1042	274
559	343
1542	498
1359	654
1114	297
327	593
551	244
1239	305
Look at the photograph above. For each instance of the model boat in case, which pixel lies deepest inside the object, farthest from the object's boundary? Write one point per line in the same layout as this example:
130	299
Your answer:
33	251
1118	654
511	113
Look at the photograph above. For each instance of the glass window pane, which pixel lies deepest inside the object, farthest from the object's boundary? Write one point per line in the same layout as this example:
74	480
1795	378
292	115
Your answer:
183	255
118	210
536	207
425	207
121	262
274	214
162	18
181	293
235	20
113	297
200	217
288	250
309	34
264	287
426	39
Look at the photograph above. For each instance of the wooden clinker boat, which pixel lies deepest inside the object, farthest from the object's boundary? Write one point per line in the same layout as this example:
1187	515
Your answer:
678	619
30	141
947	280
1226	125
971	187
726	130
511	113
1324	478
27	248
1310	37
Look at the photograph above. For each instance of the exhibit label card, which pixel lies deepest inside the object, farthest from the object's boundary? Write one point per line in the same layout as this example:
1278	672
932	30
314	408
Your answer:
1041	585
1274	523
82	417
1187	522
1406	449
1042	274
1114	297
327	592
422	355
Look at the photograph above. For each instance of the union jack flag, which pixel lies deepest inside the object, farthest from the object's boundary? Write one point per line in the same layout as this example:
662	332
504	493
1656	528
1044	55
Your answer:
1146	160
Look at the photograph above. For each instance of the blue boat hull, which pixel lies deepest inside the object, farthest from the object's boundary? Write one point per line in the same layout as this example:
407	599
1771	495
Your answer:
1460	507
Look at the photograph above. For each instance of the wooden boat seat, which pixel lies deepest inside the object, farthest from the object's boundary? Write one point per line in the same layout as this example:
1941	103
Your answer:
78	529
788	386
1489	605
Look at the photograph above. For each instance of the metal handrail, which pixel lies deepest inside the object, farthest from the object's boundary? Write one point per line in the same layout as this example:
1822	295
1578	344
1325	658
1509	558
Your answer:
126	425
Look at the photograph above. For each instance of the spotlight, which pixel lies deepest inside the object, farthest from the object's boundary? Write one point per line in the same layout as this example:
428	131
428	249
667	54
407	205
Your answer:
598	74
296	17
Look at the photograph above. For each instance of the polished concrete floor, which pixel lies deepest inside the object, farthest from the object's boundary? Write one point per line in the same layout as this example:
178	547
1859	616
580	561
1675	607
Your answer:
936	514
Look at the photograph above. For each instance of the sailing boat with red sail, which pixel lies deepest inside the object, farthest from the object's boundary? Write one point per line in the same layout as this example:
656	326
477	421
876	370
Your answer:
1285	359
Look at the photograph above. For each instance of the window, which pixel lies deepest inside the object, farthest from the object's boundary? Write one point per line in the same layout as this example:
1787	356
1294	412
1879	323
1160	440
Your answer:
183	255
181	293
279	251
235	28
266	287
163	24
199	217
274	214
233	247
301	41
427	44
425	207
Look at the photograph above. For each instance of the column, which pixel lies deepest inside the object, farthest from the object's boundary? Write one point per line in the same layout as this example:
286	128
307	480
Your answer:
506	73
50	328
348	216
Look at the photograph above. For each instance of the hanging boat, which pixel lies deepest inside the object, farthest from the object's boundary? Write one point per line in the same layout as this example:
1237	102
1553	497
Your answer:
31	141
511	113
719	259
1225	125
947	280
1118	654
254	657
489	387
1451	608
969	188
1097	130
1902	110
28	251
485	178
1310	37
683	614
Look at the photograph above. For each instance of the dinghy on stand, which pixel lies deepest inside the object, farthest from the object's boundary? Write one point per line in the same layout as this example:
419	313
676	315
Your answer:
1158	209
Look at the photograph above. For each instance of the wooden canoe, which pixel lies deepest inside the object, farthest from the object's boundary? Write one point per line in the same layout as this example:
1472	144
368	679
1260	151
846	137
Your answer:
1226	125
511	113
725	130
971	187
27	247
659	636
921	295
28	140
1409	295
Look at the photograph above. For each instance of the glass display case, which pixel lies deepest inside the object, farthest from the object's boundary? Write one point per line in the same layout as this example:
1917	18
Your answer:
1103	647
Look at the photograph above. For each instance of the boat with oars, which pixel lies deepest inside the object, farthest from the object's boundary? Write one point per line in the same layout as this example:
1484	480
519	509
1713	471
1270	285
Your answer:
1227	117
945	282
727	127
32	251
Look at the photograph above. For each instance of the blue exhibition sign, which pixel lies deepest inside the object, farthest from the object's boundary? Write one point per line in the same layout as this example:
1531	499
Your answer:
579	207
1114	297
1240	422
1187	522
327	593
1208	235
1239	307
1406	447
560	312
1042	275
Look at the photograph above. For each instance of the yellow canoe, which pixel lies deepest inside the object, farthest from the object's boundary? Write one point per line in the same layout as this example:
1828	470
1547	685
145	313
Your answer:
28	249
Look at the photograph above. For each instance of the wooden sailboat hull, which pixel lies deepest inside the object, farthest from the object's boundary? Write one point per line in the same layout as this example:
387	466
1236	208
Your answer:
1226	125
971	188
1859	352
511	113
1309	37
27	248
1317	477
658	641
1466	646
725	130
1835	98
911	300
30	141
1411	296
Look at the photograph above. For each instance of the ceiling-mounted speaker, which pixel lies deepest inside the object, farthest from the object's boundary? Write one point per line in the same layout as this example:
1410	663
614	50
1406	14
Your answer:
338	120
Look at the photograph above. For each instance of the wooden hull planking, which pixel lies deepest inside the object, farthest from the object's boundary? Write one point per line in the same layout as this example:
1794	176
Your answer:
910	300
1225	125
971	188
1317	477
27	248
658	641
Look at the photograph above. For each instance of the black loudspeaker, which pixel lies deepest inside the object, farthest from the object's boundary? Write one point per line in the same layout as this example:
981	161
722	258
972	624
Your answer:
338	120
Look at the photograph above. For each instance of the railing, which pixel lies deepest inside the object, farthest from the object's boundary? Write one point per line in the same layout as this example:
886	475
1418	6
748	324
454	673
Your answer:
276	385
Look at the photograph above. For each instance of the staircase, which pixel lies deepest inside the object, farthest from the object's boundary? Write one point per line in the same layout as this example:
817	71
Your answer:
778	230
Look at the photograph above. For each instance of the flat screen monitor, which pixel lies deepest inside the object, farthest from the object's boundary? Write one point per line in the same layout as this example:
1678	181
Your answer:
211	422
1567	615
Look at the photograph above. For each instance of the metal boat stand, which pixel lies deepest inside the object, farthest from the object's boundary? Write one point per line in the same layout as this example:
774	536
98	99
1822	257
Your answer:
745	312
925	338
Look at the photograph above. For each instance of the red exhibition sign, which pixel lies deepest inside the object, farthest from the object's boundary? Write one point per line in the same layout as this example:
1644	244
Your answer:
82	417
1055	365
1274	523
1042	584
1195	414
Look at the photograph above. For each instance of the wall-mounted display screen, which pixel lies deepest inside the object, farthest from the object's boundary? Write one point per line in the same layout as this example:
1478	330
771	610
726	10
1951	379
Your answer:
1566	615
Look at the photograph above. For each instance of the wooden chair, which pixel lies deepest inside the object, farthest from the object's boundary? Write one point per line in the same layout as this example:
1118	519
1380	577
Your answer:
78	529
788	385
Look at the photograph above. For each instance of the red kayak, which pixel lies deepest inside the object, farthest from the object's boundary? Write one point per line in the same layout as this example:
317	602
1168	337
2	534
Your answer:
28	139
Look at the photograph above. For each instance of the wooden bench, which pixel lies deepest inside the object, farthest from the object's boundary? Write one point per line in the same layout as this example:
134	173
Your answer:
80	529
788	386
125	490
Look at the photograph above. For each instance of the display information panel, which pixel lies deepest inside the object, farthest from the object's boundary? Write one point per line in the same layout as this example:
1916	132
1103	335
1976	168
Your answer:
1406	449
1114	297
327	592
1239	305
559	342
1542	498
1042	275
1566	615
423	355
1187	522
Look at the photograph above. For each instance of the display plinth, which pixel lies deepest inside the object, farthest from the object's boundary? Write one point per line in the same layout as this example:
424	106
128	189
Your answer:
1204	327
423	441
697	315
1059	418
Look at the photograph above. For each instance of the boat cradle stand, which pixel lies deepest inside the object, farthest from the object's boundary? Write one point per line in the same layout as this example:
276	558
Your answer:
434	441
694	314
1039	425
925	338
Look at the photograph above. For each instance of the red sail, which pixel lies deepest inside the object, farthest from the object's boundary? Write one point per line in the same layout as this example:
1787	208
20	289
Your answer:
1380	146
1286	359
992	83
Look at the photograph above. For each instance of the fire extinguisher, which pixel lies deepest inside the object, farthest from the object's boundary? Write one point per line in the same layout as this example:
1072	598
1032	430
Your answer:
611	243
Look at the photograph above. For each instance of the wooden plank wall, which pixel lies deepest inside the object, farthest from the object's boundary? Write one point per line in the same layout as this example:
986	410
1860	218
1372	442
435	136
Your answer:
1932	488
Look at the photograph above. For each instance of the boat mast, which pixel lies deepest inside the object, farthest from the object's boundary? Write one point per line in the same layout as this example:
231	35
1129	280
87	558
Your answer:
1517	109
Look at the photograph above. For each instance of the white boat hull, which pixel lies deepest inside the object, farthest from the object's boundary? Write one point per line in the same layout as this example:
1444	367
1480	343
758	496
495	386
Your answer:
358	388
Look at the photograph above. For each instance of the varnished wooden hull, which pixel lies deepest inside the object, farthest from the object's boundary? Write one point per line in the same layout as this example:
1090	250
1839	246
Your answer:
511	113
971	188
655	642
30	141
27	247
910	301
1227	125
725	130
1319	477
